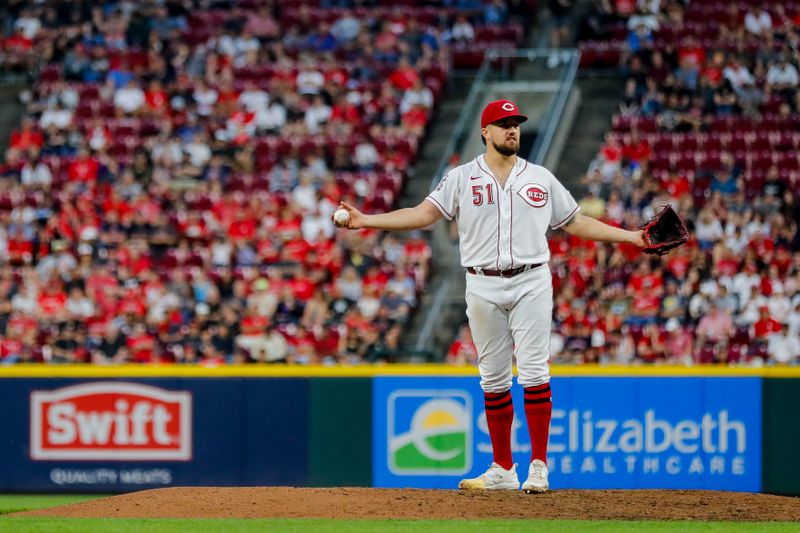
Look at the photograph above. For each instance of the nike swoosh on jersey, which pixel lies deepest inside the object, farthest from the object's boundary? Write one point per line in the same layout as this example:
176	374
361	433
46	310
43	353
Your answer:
475	177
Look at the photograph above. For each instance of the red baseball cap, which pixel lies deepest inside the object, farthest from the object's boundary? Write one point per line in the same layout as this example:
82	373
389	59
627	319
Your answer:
498	110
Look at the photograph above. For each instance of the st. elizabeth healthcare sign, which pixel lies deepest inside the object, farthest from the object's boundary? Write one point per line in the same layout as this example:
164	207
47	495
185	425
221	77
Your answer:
615	432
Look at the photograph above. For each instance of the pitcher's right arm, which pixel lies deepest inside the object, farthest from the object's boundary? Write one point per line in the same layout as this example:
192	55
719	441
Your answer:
408	218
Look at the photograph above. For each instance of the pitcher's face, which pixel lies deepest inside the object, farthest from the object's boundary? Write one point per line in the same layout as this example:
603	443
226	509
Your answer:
504	136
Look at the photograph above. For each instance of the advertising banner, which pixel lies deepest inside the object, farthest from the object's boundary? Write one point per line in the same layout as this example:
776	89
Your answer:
631	432
108	420
114	435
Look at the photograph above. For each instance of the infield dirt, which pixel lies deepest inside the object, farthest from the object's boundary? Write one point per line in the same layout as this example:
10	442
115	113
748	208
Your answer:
366	503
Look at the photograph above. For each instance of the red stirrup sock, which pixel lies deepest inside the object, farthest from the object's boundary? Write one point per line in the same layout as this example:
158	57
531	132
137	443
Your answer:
538	409
499	416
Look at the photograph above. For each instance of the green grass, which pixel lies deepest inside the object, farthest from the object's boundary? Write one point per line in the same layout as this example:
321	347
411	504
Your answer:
108	525
11	503
15	502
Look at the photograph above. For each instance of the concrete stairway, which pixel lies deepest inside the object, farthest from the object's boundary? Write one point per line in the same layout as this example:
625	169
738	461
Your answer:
10	110
445	249
600	97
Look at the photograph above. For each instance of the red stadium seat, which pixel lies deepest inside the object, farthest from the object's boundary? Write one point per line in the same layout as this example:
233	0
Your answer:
50	73
736	353
741	335
687	142
663	143
758	350
706	354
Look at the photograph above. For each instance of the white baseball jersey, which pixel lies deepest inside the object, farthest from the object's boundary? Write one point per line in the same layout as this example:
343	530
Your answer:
500	229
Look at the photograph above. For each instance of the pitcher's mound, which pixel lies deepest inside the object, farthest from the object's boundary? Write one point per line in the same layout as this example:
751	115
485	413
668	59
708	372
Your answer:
362	503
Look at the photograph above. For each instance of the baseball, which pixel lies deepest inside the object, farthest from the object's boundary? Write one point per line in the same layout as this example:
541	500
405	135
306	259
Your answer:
341	217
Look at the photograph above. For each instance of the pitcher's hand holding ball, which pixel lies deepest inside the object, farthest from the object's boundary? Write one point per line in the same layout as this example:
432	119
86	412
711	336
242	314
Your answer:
348	217
341	218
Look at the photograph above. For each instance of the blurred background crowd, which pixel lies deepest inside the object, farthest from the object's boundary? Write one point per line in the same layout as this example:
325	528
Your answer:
708	122
167	195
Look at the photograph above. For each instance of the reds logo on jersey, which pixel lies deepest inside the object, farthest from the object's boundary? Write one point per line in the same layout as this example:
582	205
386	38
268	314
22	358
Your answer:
111	421
534	195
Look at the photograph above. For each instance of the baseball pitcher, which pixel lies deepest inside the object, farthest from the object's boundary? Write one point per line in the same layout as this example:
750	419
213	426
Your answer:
504	206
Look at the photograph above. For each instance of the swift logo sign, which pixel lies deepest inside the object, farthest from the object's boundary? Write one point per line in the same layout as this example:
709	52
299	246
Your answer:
111	421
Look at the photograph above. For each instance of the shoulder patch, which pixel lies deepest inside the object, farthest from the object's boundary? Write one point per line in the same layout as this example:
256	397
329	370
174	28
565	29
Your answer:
441	182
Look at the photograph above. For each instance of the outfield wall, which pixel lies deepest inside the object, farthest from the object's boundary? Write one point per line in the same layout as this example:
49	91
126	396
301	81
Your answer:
101	429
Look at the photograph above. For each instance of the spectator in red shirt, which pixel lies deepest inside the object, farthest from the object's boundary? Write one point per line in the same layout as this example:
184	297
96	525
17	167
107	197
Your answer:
302	287
416	249
253	338
17	45
131	304
404	76
765	325
609	159
713	69
156	99
462	351
636	151
692	53
28	137
19	248
227	99
375	277
52	302
646	280
646	305
84	168
11	346
650	346
243	227
345	111
141	344
327	342
624	8
414	120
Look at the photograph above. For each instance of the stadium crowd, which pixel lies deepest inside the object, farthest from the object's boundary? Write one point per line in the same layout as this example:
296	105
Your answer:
708	122
167	195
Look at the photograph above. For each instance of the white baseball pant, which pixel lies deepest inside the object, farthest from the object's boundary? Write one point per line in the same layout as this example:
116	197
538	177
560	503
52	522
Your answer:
511	316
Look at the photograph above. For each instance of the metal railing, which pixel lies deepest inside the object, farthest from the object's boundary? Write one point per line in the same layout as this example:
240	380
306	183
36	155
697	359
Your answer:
460	130
497	65
550	122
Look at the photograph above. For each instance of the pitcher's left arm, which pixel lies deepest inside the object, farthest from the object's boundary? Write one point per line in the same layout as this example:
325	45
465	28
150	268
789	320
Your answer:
590	228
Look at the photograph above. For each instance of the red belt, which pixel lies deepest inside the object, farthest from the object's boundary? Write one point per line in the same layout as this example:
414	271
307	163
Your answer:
503	273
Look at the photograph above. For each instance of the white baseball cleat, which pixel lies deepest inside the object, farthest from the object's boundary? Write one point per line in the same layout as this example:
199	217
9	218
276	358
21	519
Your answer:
496	478
537	478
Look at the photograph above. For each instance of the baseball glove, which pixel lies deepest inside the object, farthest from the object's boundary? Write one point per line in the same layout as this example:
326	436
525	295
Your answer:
664	232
